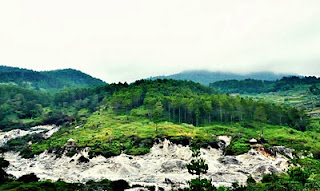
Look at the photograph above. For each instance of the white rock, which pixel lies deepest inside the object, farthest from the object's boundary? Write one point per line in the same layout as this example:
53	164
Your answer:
226	139
16	133
166	161
253	141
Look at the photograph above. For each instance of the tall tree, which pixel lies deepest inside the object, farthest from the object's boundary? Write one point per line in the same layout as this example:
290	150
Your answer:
198	166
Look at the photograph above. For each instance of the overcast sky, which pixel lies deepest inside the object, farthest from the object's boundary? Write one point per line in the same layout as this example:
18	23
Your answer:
128	40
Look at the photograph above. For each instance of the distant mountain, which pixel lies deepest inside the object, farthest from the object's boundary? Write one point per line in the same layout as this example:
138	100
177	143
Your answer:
55	79
207	77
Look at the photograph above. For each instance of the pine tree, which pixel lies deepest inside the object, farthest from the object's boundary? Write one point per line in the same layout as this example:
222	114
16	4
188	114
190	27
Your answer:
198	166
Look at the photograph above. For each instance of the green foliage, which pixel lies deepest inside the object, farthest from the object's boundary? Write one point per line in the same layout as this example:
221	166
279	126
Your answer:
175	101
187	102
56	79
197	166
200	185
71	152
27	178
17	103
260	86
300	93
243	86
269	178
298	174
207	77
4	177
119	185
260	115
237	146
250	180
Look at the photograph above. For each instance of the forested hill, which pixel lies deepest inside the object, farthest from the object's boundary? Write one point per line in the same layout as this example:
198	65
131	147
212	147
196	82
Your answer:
206	77
260	86
55	79
159	100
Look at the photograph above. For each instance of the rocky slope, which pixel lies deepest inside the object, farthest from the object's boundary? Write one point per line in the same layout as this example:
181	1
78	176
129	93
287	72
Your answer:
164	166
47	130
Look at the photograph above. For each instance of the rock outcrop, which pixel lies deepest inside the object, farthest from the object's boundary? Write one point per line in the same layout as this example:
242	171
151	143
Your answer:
47	131
164	166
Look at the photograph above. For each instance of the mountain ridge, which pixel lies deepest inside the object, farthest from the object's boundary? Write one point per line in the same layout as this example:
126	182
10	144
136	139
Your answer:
206	77
52	79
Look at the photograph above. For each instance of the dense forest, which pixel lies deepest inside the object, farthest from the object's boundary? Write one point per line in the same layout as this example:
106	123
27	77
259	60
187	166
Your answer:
206	77
56	79
260	86
159	100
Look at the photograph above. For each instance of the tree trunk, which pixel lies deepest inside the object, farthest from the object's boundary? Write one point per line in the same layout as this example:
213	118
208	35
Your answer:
173	115
179	114
169	112
197	121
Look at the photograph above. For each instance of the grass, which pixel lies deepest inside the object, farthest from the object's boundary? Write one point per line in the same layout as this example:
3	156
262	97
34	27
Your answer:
109	135
105	131
299	96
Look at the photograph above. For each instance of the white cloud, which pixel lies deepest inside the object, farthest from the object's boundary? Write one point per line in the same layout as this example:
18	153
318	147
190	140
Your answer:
128	40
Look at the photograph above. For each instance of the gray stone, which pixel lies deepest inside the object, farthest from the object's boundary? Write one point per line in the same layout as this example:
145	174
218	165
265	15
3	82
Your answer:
229	160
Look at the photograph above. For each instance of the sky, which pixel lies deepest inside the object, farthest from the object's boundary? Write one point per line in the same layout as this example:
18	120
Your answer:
122	40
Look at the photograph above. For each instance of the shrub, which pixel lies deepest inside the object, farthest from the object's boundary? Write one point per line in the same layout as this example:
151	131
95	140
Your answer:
28	178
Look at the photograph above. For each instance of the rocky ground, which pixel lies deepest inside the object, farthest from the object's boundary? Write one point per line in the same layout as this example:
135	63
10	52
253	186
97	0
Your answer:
164	166
47	130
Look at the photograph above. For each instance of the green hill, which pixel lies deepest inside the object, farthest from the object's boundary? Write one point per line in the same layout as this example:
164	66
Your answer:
56	79
300	92
206	77
129	118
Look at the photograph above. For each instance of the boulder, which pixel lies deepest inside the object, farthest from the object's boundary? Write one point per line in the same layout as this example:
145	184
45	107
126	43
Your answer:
261	170
284	150
83	159
229	160
172	165
272	169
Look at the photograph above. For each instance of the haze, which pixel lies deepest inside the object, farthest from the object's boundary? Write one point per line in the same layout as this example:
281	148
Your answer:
129	40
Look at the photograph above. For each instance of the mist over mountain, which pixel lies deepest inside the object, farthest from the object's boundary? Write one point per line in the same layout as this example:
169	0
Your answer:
206	77
55	79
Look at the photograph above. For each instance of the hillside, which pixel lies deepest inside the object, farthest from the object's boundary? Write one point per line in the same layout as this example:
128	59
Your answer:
123	128
300	92
56	79
206	77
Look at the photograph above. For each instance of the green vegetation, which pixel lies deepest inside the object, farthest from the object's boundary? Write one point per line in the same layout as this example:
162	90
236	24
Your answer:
198	166
63	186
206	77
129	118
56	79
260	86
302	93
109	134
161	100
296	179
21	108
30	182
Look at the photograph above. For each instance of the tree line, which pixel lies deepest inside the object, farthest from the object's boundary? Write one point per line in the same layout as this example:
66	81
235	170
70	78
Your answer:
261	86
163	100
159	100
